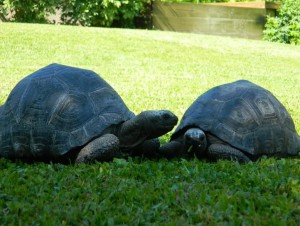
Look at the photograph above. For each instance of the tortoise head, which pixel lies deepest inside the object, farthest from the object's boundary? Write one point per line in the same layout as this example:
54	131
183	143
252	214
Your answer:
157	123
195	141
147	125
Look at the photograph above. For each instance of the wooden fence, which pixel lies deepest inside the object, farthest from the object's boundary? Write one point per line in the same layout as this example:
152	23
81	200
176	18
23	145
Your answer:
244	22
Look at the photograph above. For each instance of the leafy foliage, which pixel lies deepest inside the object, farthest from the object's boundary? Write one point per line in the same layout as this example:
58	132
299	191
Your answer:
104	13
26	10
285	27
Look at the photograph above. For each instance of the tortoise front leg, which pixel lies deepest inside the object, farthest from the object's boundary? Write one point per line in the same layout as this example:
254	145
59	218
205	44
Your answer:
104	148
222	151
148	149
175	148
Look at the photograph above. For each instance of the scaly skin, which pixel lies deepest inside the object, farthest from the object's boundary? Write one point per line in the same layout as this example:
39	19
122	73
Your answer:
104	148
147	125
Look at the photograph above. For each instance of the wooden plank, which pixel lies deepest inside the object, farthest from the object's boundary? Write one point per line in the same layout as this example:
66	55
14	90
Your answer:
209	19
272	5
241	4
205	10
226	27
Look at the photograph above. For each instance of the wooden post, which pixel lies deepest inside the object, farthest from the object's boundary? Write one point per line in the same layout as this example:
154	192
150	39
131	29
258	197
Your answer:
272	8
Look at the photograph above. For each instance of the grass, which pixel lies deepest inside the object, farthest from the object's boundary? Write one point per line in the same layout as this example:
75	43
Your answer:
151	70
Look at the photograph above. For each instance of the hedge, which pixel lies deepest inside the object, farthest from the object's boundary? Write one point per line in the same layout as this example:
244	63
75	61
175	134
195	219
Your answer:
285	28
106	13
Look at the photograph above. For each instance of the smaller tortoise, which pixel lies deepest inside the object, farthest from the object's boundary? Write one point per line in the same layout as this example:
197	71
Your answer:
240	121
61	113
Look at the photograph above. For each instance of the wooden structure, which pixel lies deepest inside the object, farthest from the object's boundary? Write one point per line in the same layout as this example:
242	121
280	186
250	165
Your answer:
214	19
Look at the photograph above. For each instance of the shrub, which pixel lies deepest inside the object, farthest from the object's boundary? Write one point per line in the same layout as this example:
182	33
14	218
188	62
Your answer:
285	27
32	11
104	13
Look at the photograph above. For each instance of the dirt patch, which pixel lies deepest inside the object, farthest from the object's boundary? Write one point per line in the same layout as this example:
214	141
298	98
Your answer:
242	4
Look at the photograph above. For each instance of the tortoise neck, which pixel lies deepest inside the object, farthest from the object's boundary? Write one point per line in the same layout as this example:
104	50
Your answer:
132	133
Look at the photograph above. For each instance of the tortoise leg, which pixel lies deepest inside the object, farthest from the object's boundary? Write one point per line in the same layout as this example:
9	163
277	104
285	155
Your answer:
148	149
104	148
222	151
174	148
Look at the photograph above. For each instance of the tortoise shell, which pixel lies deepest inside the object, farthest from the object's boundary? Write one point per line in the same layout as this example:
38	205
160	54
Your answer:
56	109
246	116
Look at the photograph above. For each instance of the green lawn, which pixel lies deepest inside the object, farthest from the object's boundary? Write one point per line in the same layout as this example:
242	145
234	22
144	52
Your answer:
151	70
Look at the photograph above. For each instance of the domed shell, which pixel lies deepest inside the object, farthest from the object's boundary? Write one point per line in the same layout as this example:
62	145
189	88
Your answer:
245	116
56	109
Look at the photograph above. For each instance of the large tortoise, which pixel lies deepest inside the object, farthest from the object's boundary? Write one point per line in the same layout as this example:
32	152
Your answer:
239	120
61	113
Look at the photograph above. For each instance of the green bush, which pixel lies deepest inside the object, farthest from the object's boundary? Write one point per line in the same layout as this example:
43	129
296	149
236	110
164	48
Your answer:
32	11
285	28
104	13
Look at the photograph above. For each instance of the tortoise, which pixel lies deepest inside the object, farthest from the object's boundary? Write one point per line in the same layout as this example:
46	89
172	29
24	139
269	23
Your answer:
61	113
238	120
